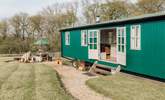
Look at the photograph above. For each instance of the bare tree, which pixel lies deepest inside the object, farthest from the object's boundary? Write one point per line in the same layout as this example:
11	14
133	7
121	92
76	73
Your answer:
4	29
35	25
114	9
15	22
19	24
106	9
24	24
91	10
55	17
150	6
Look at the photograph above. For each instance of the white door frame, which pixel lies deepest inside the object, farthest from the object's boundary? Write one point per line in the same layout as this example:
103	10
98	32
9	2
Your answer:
116	44
121	45
94	46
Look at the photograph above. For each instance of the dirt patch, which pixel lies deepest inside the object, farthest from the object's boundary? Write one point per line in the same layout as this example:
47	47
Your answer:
74	82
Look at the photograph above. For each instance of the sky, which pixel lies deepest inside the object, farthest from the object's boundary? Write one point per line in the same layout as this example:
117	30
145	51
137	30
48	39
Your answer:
10	7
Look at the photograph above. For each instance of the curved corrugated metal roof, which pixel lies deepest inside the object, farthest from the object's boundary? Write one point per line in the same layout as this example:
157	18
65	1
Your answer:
142	17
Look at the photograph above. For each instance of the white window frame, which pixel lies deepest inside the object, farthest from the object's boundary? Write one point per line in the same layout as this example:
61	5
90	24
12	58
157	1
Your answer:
135	38
84	41
67	38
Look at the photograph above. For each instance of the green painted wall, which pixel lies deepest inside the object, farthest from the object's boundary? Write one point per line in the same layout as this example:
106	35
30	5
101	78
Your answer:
74	50
150	60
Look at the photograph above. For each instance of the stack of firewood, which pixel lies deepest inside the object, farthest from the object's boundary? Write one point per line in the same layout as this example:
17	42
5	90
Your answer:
26	57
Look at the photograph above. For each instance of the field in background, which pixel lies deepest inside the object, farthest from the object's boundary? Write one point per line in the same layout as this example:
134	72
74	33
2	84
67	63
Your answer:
127	87
20	81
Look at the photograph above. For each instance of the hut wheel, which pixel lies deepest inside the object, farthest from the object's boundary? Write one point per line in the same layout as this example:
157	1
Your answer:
74	63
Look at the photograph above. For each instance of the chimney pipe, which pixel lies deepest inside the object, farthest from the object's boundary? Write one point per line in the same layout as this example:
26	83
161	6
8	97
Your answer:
97	19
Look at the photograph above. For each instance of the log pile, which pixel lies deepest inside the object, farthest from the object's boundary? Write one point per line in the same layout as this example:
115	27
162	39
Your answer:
29	58
26	57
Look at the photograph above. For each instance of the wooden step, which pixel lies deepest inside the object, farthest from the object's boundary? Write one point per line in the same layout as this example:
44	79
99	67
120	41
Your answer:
105	67
93	67
102	71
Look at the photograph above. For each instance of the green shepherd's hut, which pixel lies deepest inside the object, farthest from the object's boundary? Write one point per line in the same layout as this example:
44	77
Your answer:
136	44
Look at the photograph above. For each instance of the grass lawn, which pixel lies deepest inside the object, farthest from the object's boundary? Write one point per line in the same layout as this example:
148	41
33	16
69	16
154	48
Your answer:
3	59
20	81
127	87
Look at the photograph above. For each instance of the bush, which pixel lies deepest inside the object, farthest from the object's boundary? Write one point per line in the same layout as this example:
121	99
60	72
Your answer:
11	46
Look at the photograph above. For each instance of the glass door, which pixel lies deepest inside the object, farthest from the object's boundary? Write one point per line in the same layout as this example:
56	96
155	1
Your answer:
93	44
121	45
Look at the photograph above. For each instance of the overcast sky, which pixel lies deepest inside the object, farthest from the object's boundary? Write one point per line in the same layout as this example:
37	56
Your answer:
10	7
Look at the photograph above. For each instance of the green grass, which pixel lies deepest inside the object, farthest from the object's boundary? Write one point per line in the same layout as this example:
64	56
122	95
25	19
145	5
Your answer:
126	87
20	81
3	59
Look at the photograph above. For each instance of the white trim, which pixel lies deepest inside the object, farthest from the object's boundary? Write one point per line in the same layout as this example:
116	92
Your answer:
83	43
110	61
107	28
121	56
92	52
125	42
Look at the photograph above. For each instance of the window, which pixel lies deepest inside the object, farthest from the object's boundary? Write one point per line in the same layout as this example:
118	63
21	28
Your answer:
93	40
84	38
136	37
67	38
121	39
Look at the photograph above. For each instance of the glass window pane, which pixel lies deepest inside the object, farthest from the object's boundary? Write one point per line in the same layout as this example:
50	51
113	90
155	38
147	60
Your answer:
135	43
123	40
136	39
91	34
91	40
95	34
67	38
123	48
95	46
85	39
91	46
118	40
119	32
95	40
